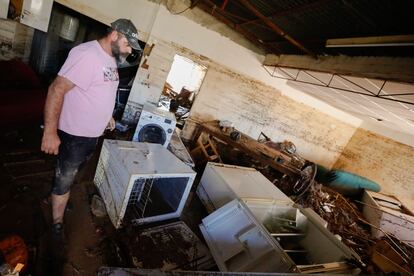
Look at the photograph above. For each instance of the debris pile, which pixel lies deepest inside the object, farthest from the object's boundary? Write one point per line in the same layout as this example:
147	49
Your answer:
344	219
342	216
168	247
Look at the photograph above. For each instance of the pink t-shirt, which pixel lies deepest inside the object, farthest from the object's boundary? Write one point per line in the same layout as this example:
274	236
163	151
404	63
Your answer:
88	107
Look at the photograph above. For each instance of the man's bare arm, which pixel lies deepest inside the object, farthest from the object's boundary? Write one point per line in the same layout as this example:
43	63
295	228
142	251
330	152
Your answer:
57	90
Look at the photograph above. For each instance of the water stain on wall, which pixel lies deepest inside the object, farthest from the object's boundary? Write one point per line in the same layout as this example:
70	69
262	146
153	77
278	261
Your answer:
254	107
383	160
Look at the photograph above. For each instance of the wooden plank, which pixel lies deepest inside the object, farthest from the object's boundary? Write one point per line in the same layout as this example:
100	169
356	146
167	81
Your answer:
387	265
385	197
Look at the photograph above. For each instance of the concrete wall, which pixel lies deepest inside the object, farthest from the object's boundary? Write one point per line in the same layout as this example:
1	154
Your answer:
383	160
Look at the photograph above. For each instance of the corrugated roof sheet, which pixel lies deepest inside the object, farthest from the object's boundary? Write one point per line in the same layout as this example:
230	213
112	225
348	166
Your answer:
311	22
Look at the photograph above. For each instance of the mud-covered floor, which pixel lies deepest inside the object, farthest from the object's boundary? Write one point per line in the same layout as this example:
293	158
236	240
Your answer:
25	181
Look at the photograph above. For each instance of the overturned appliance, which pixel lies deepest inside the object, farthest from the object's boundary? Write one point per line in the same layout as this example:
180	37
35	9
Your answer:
155	126
254	227
262	236
141	182
222	183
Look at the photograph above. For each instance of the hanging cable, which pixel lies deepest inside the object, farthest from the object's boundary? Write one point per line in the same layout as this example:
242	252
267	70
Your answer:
189	7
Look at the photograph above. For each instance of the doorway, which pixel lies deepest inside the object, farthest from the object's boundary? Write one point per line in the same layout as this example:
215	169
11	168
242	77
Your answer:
181	87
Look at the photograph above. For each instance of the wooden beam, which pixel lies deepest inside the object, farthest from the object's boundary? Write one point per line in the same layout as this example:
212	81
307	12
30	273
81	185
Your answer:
384	68
371	41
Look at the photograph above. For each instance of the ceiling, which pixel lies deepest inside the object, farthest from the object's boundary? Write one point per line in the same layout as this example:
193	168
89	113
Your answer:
356	96
305	27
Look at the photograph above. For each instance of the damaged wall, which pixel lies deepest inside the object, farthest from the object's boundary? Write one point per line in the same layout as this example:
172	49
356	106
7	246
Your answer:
255	107
153	73
251	105
15	40
383	160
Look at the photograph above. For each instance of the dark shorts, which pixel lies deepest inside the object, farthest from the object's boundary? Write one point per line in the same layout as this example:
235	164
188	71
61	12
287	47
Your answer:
73	152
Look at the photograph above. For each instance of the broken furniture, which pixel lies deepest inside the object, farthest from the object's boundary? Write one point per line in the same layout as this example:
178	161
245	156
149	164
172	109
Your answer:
278	160
263	236
222	183
155	126
167	247
388	215
389	260
141	182
298	176
207	149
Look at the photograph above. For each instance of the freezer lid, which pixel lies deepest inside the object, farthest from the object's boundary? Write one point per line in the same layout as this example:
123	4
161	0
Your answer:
244	182
239	243
147	159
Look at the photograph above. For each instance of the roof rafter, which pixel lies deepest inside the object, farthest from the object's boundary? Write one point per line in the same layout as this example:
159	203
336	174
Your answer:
276	28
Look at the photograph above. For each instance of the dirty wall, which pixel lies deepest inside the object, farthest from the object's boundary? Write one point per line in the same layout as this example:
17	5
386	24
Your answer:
15	40
251	105
383	160
254	107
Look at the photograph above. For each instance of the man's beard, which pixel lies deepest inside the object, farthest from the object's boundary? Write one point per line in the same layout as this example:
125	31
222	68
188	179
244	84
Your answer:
116	52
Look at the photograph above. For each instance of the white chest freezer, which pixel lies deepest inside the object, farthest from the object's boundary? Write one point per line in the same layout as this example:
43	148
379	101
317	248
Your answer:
221	184
254	236
141	182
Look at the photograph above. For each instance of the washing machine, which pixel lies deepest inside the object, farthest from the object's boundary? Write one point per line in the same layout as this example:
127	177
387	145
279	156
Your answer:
154	126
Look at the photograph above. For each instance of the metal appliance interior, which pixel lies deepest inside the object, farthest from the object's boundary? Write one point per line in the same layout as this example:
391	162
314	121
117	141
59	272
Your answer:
301	234
152	197
263	236
141	182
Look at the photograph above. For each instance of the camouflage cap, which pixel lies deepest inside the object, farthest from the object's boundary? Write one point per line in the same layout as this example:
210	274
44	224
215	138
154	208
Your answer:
127	28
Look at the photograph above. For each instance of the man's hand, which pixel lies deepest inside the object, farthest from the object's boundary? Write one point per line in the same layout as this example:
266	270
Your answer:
57	90
50	143
111	124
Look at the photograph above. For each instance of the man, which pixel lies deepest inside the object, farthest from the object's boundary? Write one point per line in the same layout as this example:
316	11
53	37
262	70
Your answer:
79	105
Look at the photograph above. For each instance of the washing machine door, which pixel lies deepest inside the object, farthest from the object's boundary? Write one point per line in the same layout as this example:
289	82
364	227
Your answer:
152	133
